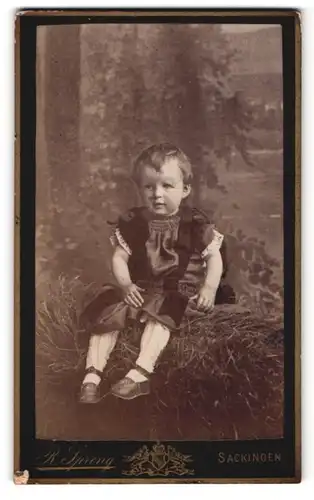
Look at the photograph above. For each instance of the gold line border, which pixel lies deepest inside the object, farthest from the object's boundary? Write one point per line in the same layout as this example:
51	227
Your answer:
297	236
162	13
17	153
249	480
296	14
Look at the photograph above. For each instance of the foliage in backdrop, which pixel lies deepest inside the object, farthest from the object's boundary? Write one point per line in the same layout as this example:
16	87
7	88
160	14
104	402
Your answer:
109	91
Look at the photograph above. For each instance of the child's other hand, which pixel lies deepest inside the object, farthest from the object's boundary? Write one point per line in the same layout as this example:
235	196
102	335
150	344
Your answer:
205	299
132	295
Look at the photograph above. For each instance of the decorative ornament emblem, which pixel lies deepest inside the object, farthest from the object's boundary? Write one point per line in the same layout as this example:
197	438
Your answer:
158	460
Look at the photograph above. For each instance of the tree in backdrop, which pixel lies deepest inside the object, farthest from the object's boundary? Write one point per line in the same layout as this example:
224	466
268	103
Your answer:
111	90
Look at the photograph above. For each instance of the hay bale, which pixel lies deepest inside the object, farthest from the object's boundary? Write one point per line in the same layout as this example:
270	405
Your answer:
229	363
58	347
226	367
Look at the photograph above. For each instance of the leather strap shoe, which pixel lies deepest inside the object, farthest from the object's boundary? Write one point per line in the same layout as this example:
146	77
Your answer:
126	388
90	393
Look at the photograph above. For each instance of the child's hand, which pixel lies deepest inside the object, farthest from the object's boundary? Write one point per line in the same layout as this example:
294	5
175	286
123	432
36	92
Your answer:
132	295
205	299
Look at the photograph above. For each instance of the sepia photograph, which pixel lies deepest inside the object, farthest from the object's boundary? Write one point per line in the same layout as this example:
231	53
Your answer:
159	232
157	325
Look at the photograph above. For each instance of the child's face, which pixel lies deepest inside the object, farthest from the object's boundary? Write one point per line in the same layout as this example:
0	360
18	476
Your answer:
163	191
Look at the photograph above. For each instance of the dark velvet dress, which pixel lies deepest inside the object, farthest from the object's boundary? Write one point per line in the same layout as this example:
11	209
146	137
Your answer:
167	259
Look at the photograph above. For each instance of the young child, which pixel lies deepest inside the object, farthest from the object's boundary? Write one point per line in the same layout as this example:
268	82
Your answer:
168	264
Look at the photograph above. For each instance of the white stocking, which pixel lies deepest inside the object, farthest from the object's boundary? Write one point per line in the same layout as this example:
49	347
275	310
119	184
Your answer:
100	348
154	339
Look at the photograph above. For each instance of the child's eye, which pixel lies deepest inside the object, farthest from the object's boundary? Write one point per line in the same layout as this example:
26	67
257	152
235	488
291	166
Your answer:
168	186
148	186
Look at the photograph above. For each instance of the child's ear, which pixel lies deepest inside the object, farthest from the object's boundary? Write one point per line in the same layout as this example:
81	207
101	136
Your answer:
186	190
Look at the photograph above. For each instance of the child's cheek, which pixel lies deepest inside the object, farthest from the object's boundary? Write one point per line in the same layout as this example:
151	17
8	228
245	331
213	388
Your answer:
173	201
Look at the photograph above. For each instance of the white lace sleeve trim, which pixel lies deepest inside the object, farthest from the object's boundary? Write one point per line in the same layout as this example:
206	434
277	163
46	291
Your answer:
214	245
117	239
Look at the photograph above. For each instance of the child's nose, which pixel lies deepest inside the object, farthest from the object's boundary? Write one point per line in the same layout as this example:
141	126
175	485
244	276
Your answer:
158	192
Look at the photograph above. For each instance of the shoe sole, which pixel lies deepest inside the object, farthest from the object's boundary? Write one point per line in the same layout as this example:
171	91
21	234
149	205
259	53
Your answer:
89	402
82	401
128	398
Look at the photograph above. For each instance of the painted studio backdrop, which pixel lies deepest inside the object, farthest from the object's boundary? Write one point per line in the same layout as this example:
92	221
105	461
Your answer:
105	92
